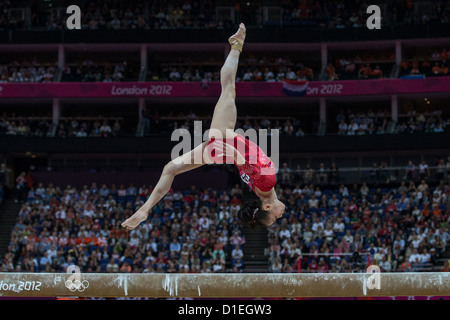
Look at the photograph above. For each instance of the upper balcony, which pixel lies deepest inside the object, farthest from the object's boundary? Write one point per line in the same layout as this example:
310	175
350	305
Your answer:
209	20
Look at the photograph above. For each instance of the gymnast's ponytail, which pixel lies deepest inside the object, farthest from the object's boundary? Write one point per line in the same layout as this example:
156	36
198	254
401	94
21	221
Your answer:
251	212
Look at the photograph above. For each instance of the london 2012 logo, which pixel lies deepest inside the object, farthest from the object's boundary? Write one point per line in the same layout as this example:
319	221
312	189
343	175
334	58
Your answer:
74	283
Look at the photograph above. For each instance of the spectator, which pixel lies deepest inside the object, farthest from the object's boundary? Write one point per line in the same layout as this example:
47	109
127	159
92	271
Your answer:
285	174
445	267
105	130
21	186
385	265
322	174
236	255
276	266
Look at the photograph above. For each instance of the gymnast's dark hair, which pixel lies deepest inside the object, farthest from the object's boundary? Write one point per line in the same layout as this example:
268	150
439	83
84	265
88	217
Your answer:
251	212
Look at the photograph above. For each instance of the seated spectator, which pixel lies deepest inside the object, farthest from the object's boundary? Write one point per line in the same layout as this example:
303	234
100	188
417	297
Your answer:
105	130
365	71
445	267
377	72
236	255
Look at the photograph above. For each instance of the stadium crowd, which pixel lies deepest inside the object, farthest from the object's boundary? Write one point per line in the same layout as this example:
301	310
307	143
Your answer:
352	14
254	66
354	65
393	228
146	14
89	71
399	228
432	65
347	123
190	231
84	71
13	124
27	71
42	126
73	127
370	122
414	122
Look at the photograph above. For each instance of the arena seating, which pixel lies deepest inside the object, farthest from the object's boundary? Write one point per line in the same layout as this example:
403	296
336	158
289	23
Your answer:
194	230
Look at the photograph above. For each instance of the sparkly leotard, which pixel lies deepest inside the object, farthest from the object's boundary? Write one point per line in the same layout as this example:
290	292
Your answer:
258	170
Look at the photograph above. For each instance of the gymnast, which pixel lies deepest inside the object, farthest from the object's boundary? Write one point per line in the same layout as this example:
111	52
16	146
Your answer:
255	167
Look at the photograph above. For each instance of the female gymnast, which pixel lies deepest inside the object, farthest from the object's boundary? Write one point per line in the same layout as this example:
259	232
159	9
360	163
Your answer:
255	168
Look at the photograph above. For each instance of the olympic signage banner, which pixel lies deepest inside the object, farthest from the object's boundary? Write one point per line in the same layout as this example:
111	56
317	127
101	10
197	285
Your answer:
244	89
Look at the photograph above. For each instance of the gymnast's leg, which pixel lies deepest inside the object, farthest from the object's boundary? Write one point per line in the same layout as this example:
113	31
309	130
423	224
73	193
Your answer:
225	113
184	163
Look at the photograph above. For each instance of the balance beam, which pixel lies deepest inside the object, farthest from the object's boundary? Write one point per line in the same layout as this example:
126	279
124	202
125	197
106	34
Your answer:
230	285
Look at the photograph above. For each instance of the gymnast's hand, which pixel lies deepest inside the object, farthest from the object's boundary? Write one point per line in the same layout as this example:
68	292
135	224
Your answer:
223	149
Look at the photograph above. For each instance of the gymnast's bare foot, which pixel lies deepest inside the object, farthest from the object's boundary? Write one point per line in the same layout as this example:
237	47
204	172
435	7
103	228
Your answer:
237	40
240	34
135	219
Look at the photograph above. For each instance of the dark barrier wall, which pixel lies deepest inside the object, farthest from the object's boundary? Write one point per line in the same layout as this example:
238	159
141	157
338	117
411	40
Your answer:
266	34
162	144
216	180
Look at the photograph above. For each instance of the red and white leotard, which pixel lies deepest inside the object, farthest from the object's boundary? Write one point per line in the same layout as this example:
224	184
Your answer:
258	170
